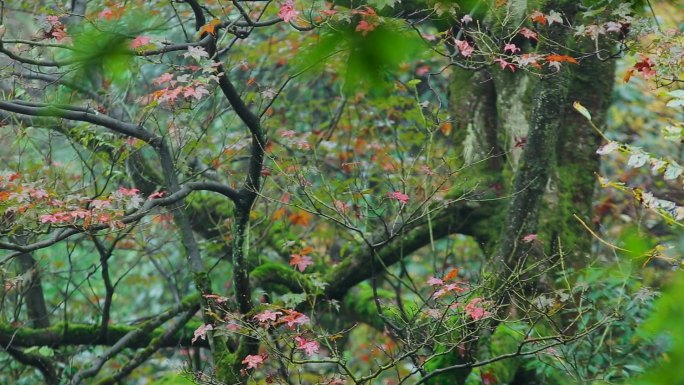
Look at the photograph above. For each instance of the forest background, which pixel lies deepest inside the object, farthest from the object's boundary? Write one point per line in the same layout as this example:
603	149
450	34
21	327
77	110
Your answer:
306	192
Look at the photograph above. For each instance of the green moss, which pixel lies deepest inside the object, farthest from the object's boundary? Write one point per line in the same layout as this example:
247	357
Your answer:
63	334
514	12
444	360
574	181
144	175
360	304
106	381
202	282
466	91
190	300
207	212
227	365
504	341
271	275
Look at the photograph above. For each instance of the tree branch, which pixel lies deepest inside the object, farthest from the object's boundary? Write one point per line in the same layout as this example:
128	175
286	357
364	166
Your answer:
66	232
168	337
82	115
76	334
146	328
460	219
43	364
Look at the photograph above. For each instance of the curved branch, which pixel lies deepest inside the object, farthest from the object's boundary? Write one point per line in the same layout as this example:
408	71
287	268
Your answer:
75	334
150	204
216	187
123	343
460	219
66	232
169	336
25	60
82	115
200	20
53	79
43	364
176	47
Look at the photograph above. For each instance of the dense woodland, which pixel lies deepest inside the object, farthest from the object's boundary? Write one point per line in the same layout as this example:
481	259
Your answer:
312	192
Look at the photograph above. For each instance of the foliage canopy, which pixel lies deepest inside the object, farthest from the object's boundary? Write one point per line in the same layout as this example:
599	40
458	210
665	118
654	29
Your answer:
224	192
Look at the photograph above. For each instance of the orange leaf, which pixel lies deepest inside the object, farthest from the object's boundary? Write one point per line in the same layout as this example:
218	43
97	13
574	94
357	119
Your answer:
538	17
87	221
301	218
446	128
307	250
279	213
561	58
209	27
628	75
451	275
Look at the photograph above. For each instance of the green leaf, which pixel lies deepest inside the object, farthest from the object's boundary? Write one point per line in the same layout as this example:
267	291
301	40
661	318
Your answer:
676	103
677	94
174	379
370	59
634	368
46	351
291	300
31	350
667	319
679	98
380	4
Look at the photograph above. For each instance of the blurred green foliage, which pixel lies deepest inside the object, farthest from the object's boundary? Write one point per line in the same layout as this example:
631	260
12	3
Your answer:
666	323
370	58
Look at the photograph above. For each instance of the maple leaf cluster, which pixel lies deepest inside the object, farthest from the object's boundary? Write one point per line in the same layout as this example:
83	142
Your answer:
513	57
287	11
309	347
253	361
201	332
475	310
464	48
444	287
55	29
140	41
399	196
644	67
112	13
369	20
291	318
301	261
183	85
71	210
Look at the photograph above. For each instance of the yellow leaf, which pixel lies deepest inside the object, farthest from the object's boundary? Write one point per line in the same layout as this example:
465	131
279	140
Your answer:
582	110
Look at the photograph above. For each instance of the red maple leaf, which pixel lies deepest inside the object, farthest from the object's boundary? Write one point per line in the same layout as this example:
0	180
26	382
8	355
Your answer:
488	378
301	261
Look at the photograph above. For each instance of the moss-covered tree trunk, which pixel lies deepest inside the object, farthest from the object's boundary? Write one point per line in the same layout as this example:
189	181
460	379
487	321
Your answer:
550	178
